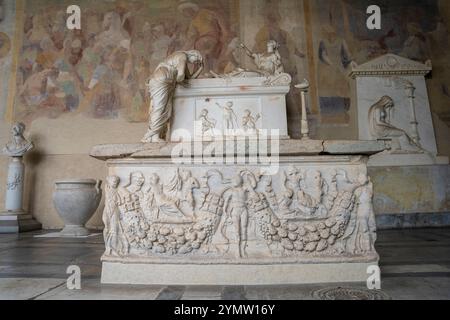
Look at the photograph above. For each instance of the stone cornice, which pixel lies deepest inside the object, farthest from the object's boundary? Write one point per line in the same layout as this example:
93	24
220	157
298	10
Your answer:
390	65
236	86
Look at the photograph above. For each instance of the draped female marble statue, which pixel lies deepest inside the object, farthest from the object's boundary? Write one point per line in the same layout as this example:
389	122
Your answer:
162	84
380	126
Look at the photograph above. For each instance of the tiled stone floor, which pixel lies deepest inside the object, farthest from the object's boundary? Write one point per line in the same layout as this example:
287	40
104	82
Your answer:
415	264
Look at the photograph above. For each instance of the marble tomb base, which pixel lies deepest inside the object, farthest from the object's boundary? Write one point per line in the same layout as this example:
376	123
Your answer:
234	274
305	217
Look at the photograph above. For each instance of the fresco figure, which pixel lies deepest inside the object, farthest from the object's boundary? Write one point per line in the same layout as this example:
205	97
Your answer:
416	47
113	32
103	96
48	54
207	32
39	30
160	44
334	59
38	88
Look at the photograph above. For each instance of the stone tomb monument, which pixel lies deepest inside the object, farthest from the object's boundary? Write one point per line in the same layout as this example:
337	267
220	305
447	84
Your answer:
393	106
223	107
288	211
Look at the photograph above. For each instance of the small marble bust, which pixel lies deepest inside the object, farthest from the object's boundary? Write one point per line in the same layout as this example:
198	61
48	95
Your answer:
18	145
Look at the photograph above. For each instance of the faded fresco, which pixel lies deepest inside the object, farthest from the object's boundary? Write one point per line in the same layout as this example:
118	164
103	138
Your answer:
6	33
5	49
417	30
101	70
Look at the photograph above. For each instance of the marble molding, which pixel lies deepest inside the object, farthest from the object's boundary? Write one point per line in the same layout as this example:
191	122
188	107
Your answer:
285	148
310	221
411	132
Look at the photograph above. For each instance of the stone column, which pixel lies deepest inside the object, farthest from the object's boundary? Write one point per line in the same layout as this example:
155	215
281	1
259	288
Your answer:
304	86
14	219
14	185
410	89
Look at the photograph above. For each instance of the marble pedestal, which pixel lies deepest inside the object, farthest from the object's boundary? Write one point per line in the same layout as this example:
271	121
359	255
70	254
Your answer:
234	274
13	222
14	219
299	218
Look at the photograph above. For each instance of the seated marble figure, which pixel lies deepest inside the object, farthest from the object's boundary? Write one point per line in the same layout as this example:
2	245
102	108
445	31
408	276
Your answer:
268	64
380	127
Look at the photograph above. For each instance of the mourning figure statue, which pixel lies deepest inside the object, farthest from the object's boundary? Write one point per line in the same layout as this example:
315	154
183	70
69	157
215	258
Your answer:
172	71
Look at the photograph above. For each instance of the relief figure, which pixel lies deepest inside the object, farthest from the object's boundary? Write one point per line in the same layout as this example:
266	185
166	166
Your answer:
235	208
361	233
229	116
115	238
161	206
208	125
249	121
380	126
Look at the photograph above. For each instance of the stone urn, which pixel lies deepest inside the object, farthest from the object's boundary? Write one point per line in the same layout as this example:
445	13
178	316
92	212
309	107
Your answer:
76	201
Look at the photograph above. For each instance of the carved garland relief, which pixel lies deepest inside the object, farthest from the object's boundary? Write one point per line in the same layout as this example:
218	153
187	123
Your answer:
314	214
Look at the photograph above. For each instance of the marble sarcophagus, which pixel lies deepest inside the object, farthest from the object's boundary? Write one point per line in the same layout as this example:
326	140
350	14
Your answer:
307	220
